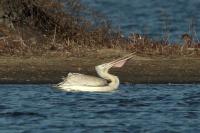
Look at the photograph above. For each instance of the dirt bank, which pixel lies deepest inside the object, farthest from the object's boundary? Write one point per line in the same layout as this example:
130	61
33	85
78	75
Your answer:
50	69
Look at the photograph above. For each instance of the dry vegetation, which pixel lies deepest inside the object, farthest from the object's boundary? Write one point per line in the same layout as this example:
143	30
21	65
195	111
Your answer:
45	26
147	46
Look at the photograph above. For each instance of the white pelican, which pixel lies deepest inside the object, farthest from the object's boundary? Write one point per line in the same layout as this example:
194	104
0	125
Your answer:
81	82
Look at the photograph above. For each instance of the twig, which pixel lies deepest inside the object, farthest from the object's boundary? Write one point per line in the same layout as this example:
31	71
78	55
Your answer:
54	37
195	34
2	38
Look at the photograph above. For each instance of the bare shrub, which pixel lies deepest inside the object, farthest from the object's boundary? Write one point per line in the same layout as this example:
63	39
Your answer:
71	19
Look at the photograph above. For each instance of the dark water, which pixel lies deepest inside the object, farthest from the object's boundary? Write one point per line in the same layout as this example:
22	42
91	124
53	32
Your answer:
130	109
151	17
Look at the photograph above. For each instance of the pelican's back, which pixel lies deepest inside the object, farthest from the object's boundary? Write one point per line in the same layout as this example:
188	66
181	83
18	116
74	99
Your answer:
83	80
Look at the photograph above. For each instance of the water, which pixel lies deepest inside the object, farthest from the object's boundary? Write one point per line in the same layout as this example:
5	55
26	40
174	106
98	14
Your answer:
130	109
150	17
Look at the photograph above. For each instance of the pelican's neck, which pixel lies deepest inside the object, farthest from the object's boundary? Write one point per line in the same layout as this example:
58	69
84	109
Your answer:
114	79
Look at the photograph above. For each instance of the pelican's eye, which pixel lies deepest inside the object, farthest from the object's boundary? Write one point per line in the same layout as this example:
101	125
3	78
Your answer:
103	65
100	67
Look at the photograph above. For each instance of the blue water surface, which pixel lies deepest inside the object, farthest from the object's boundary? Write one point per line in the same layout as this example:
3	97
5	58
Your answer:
130	109
153	18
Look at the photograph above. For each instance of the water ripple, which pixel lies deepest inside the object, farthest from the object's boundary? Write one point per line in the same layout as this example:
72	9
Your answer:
21	114
132	108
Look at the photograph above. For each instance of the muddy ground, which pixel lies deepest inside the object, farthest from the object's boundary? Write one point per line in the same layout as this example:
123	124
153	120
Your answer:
51	69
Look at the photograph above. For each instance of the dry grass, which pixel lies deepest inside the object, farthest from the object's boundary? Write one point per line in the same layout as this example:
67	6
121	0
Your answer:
143	45
45	26
42	25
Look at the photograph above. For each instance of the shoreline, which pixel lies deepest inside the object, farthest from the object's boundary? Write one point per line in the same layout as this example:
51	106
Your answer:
141	70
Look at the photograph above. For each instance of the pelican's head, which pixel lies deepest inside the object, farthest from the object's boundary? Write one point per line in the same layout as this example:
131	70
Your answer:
104	68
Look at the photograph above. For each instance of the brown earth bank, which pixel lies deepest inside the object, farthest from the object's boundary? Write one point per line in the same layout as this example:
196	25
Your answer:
49	69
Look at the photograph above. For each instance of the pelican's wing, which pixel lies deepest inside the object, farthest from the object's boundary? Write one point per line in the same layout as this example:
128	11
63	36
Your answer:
85	80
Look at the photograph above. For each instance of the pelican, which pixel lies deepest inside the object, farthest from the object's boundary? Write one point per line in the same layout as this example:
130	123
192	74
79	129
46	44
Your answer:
106	83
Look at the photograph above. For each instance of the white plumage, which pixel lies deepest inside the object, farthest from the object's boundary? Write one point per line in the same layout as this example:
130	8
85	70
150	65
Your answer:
82	79
107	82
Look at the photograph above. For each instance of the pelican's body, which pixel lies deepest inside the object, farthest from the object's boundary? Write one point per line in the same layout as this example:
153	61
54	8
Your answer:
84	80
81	82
